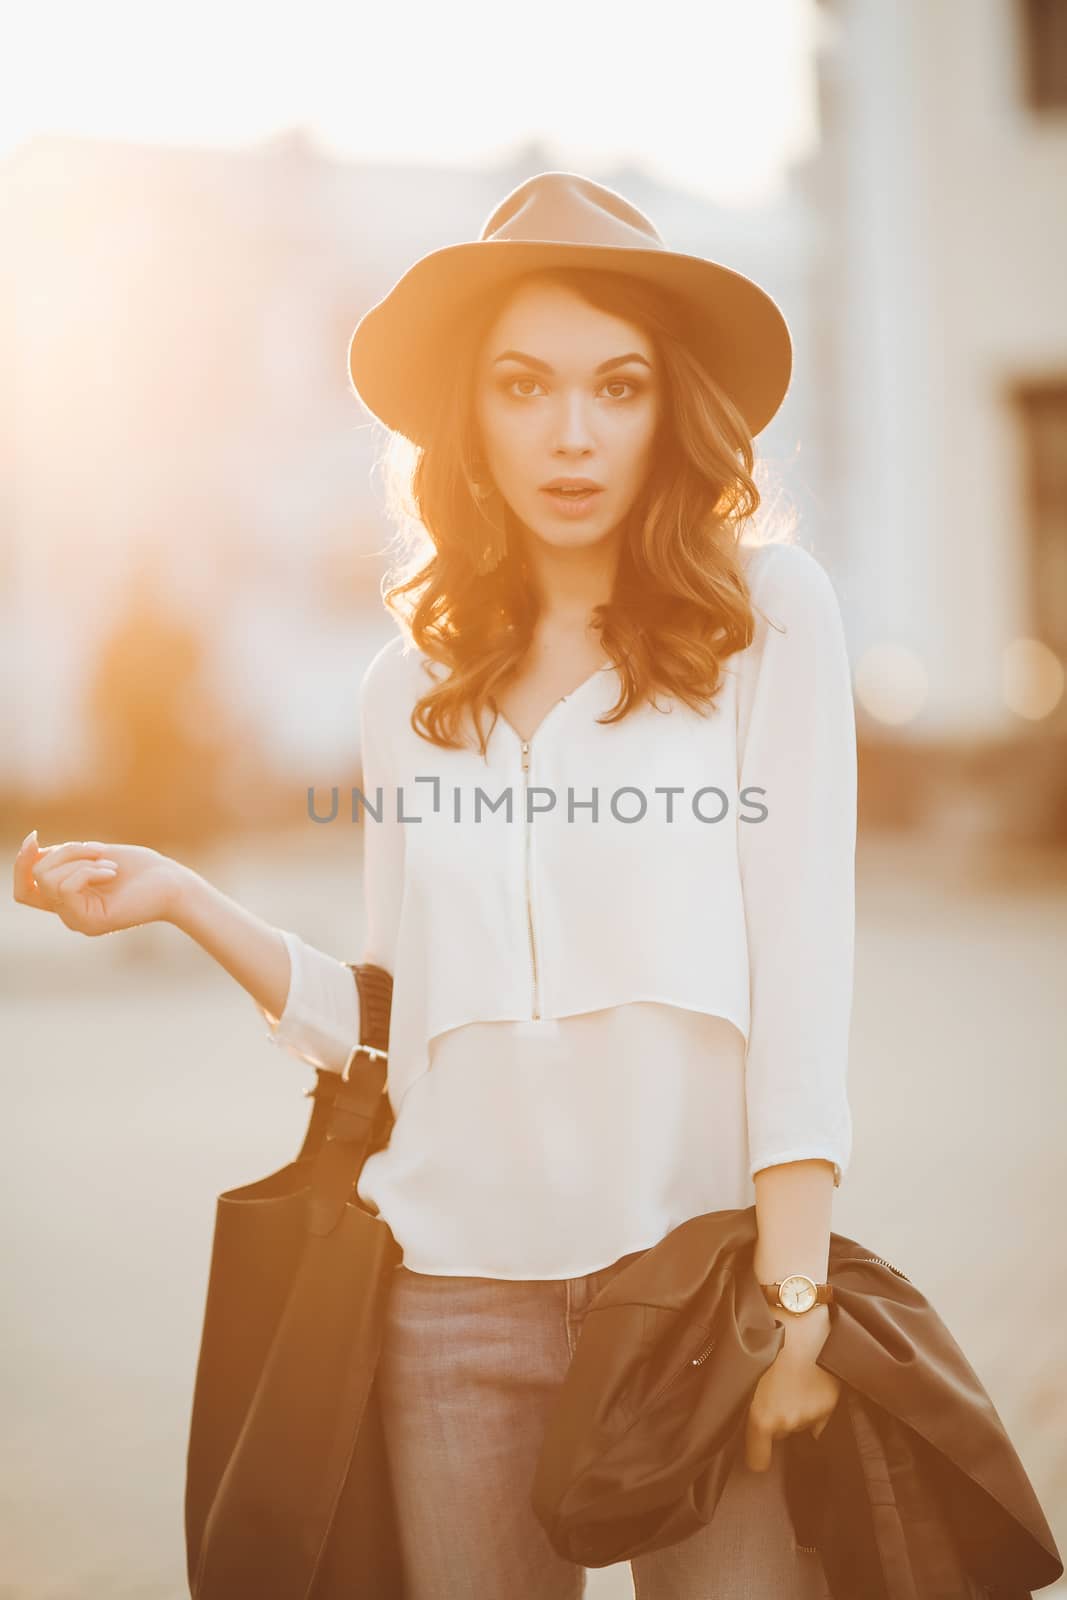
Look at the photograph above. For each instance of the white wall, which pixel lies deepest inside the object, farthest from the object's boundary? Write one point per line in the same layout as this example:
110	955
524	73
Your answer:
953	229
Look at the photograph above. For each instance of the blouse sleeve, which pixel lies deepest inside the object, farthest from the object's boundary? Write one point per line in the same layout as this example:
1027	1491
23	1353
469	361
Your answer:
321	1020
797	746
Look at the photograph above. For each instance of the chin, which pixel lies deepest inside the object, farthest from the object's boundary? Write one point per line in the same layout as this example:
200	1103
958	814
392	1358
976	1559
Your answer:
573	538
561	536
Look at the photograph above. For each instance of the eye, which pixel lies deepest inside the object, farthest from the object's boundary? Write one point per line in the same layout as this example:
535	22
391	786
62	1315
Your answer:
625	383
508	387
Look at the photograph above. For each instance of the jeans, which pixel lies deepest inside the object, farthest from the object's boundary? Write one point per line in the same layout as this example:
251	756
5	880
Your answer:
470	1368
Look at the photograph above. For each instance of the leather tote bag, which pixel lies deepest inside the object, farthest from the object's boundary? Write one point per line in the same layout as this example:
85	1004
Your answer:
287	1493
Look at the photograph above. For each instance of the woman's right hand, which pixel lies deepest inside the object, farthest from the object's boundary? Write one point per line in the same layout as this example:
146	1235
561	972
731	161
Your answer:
96	888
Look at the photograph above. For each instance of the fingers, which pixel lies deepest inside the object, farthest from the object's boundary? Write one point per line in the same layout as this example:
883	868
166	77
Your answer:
42	874
762	1431
56	855
759	1443
72	897
24	889
80	875
67	886
824	1421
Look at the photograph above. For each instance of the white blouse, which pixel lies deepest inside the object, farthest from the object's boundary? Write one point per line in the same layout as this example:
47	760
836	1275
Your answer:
622	954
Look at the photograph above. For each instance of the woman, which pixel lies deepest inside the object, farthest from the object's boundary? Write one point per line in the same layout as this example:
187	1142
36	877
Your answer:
620	917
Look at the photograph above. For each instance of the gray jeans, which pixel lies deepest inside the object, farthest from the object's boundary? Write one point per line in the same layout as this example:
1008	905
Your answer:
469	1370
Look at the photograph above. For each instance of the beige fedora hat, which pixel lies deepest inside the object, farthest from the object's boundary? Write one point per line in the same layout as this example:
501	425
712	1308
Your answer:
400	351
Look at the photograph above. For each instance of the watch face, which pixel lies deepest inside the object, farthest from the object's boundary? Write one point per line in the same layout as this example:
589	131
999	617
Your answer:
797	1293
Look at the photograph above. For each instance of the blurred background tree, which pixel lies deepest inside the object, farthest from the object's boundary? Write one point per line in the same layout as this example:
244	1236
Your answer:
160	728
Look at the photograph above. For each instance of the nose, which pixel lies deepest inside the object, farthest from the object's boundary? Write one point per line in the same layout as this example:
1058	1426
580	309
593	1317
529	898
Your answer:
574	434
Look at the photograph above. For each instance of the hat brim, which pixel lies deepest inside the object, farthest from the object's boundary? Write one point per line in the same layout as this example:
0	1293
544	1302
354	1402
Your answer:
399	351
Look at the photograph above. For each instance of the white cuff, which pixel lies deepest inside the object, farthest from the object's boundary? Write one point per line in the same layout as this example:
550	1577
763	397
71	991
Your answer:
321	1020
809	1153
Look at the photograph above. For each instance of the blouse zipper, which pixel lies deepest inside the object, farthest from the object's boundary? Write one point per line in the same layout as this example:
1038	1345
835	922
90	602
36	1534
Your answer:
536	1002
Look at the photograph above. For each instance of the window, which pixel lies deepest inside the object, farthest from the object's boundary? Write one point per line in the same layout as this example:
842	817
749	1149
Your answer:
1043	26
1042	408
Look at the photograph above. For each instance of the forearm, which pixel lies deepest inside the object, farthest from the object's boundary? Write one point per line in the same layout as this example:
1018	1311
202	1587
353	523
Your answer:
793	1203
248	948
793	1215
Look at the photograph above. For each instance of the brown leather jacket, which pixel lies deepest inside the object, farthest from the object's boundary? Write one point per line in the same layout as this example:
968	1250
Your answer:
912	1491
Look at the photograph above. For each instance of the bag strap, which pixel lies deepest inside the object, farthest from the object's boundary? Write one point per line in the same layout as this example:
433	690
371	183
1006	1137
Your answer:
351	1110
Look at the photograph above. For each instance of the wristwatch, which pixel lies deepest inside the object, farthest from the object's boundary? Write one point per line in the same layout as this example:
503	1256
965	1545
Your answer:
797	1293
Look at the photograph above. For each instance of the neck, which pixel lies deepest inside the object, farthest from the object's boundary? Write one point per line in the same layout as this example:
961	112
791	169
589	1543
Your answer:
571	582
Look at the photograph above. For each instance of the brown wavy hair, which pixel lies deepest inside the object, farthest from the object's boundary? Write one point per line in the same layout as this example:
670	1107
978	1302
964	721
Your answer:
679	606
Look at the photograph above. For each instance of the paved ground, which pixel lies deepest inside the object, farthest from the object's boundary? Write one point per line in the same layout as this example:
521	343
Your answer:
133	1066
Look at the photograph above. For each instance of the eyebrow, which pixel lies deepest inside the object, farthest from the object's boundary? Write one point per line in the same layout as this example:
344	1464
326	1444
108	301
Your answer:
543	366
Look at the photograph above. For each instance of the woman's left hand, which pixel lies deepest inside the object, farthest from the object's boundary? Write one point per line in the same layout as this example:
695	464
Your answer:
795	1392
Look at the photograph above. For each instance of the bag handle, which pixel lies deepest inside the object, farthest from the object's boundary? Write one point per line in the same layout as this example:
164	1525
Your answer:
351	1110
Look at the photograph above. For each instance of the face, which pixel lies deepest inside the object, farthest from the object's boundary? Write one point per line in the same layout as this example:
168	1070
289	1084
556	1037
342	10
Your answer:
564	390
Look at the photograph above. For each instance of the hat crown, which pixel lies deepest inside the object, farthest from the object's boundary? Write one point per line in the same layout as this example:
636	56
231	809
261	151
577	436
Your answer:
401	357
565	208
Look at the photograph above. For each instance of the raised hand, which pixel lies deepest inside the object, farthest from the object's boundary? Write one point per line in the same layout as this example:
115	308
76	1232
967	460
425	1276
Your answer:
95	888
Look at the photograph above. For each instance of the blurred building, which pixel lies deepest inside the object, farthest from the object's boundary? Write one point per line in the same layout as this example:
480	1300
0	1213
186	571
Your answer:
174	338
942	185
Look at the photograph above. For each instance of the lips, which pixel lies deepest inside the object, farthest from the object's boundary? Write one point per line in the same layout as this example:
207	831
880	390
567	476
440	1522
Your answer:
572	507
575	483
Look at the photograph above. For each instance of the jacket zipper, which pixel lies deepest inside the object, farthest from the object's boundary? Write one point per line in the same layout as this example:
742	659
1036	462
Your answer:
694	1361
535	1007
881	1262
